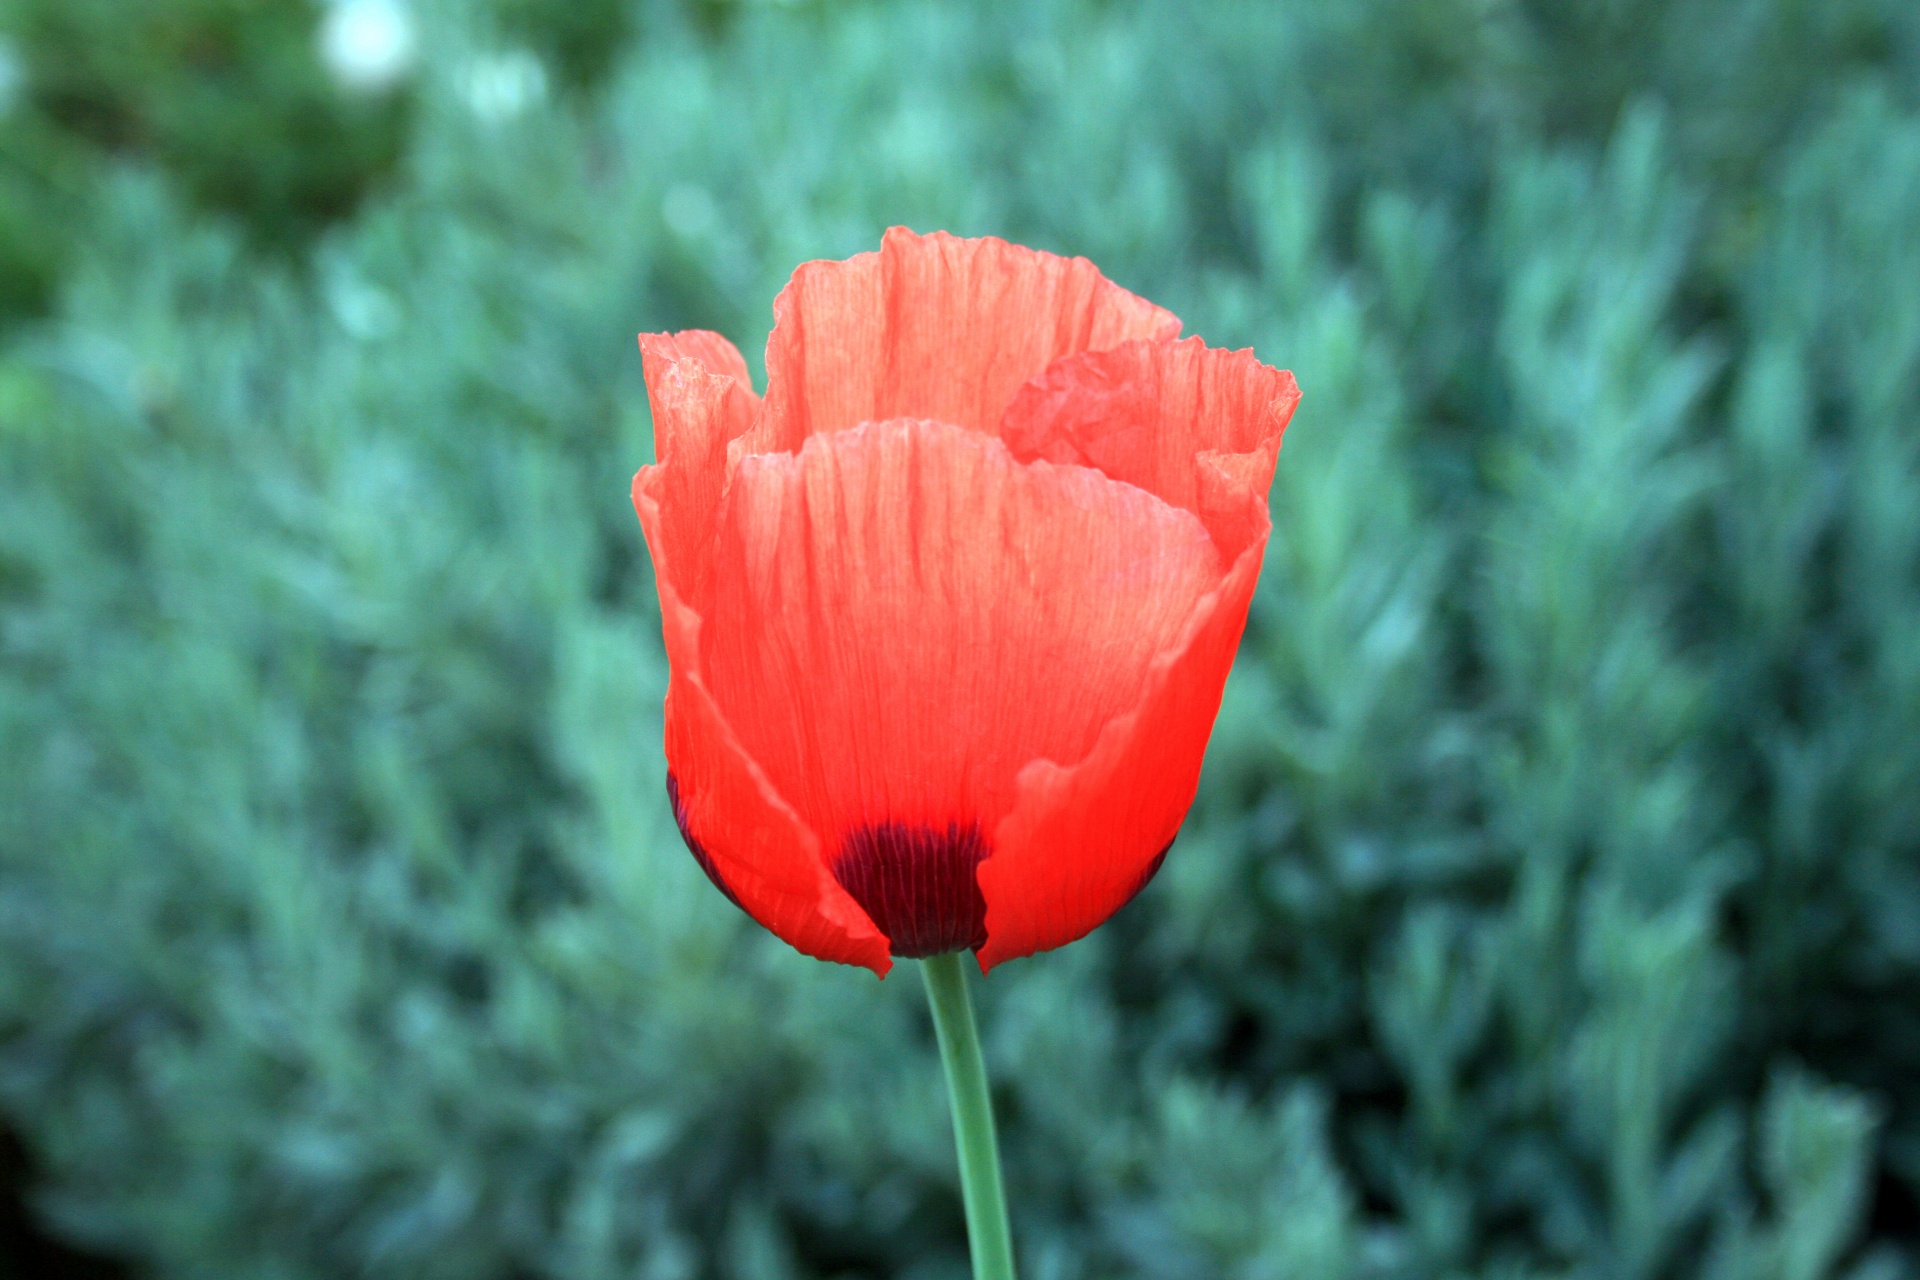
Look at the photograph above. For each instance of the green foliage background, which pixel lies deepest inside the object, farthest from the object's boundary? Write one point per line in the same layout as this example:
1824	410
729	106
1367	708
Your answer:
1552	903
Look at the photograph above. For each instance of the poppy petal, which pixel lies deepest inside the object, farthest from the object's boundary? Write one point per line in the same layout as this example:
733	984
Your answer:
1198	426
701	399
904	618
744	836
751	843
1201	429
1084	838
933	327
702	346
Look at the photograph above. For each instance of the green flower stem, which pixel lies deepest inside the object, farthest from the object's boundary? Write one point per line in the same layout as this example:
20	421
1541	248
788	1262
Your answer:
980	1186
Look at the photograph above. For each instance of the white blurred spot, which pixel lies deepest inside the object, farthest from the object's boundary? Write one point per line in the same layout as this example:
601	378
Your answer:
368	45
502	85
688	209
365	311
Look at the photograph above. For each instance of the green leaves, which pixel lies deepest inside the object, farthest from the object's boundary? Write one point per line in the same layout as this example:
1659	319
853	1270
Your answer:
1815	1147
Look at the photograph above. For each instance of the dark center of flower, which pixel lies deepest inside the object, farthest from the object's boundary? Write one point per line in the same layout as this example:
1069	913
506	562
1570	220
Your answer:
918	884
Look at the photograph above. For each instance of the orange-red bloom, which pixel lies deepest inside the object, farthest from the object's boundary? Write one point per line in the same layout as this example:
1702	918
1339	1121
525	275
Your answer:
949	612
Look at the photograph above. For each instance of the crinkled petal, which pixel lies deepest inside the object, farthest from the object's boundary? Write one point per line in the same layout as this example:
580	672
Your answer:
904	618
704	347
933	327
744	836
1083	838
751	843
1201	429
1198	426
701	398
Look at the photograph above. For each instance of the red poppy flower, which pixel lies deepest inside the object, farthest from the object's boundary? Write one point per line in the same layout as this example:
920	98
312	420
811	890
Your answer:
949	612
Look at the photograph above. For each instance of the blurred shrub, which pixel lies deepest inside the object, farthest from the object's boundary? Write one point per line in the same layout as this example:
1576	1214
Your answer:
1552	903
227	95
233	100
42	184
581	38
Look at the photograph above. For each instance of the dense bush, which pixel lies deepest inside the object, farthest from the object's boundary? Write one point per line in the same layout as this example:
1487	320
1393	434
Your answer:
1552	903
235	100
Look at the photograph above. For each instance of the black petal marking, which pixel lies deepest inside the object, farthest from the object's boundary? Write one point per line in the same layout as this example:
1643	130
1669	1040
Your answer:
918	885
698	850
